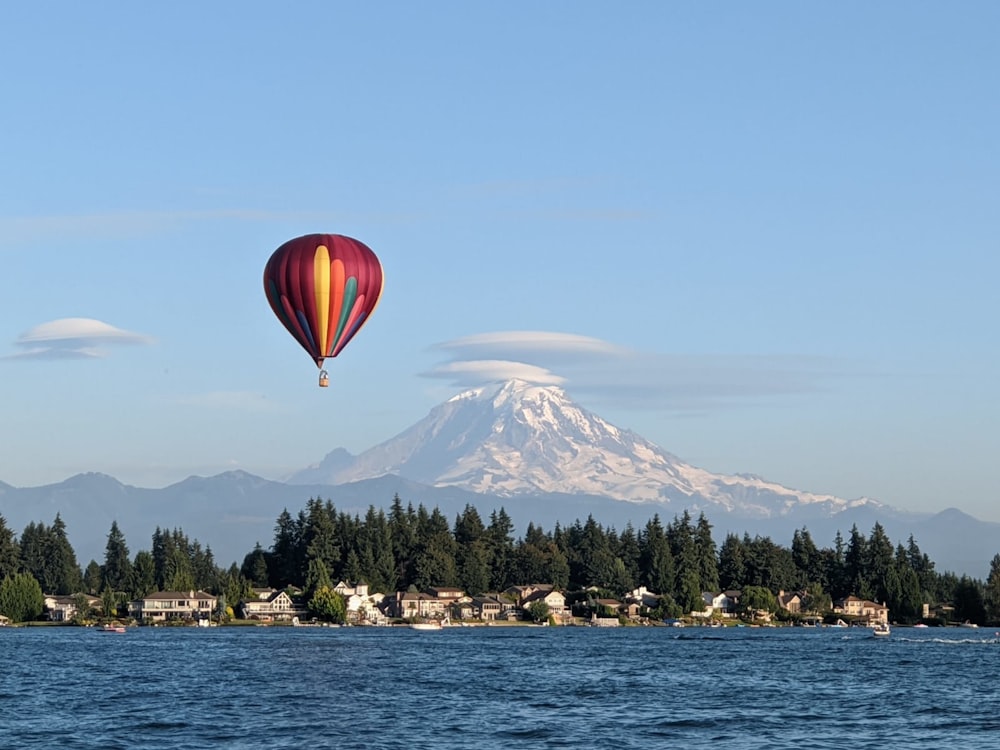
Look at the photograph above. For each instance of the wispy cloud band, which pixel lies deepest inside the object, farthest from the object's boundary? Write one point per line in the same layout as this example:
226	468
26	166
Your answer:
628	378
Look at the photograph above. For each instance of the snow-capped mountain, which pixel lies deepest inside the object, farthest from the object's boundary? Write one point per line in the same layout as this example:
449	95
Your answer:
518	438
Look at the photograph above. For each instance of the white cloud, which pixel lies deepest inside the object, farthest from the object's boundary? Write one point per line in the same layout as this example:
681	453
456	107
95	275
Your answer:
617	376
73	338
475	372
513	344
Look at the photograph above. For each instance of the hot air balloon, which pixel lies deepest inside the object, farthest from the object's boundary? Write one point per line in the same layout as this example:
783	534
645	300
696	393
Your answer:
323	288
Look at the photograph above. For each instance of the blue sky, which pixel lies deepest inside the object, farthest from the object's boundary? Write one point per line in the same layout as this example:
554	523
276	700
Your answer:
762	236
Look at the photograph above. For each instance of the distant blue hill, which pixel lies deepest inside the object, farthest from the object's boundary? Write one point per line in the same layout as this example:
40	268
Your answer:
231	512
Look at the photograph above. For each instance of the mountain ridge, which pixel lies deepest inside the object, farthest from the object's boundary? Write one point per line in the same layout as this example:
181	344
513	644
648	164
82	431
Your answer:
516	438
484	439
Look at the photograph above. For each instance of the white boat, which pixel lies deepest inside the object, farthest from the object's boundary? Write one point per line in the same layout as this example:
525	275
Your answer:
881	628
425	626
111	628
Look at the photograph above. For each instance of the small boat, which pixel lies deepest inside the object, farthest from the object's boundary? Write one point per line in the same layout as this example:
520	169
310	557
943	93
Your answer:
968	624
881	628
425	625
111	628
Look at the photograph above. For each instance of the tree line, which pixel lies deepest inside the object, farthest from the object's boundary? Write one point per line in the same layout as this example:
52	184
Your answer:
416	548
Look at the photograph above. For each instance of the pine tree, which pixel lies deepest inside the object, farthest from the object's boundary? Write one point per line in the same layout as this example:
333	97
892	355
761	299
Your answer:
144	574
402	528
708	570
92	578
10	551
254	567
656	561
287	552
500	550
732	564
116	573
991	593
67	578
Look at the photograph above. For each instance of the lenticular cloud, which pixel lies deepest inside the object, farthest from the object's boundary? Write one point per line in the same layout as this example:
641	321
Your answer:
73	338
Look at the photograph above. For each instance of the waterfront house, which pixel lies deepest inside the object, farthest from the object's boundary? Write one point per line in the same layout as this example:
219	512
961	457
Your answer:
717	604
555	600
346	590
865	611
270	605
486	607
60	608
173	605
643	597
423	604
790	601
366	608
445	593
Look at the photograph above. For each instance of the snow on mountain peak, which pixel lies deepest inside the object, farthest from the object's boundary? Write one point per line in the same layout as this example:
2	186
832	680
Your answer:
518	438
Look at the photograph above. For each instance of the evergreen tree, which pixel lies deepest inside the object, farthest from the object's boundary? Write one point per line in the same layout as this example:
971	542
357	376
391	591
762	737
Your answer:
655	559
254	567
708	570
921	564
969	606
530	564
287	553
879	566
500	550
906	602
991	593
854	565
10	551
384	572
595	554
144	574
835	567
807	558
236	588
630	554
686	570
317	577
116	573
402	528
474	568
322	544
92	578
435	563
35	544
204	569
732	564
353	572
65	570
558	567
620	581
472	553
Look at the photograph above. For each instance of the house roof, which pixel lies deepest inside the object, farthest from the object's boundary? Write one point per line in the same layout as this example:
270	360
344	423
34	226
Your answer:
179	595
541	595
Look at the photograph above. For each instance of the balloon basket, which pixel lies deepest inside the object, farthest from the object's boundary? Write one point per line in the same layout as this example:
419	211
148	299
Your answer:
324	379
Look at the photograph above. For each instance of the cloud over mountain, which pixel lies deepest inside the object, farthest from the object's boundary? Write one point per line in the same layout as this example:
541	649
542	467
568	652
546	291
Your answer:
627	378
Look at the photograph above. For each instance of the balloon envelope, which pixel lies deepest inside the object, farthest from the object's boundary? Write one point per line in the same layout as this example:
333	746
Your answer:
323	288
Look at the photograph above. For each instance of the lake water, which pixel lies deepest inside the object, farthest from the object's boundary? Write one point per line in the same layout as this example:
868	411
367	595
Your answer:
498	687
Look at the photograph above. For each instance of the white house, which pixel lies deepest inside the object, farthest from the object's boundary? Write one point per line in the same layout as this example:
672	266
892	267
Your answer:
173	605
